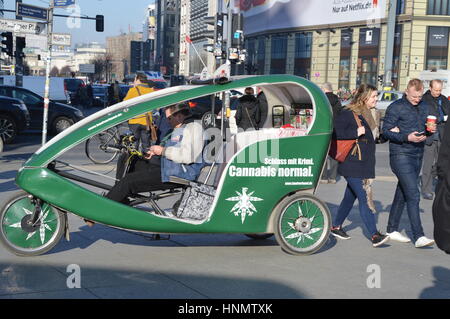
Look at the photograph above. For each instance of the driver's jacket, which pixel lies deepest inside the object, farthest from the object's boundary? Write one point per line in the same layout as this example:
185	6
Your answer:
182	156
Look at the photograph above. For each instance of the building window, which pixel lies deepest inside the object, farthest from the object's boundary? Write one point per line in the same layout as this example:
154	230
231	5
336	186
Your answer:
250	65
261	56
437	48
279	54
369	42
302	62
438	7
401	6
396	58
344	64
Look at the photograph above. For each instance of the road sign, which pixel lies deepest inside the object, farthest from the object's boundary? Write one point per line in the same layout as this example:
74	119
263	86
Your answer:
29	11
63	3
19	26
87	68
61	39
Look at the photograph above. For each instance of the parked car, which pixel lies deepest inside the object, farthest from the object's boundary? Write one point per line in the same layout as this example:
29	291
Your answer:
201	109
100	95
14	118
159	84
71	87
36	84
385	98
60	116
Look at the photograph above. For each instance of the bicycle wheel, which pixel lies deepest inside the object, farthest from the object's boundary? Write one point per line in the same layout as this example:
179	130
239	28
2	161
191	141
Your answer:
302	224
20	236
102	148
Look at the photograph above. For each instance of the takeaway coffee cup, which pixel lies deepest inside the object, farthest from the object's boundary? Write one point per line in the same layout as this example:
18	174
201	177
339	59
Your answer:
431	121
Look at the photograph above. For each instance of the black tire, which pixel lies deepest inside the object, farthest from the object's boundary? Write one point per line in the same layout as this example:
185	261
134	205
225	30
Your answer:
8	128
23	239
61	123
259	236
302	224
102	148
208	119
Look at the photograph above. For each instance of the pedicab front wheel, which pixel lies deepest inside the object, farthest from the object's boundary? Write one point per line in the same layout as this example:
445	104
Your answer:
20	235
302	224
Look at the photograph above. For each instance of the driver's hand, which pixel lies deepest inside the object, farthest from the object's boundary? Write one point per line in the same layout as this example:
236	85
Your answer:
149	155
156	149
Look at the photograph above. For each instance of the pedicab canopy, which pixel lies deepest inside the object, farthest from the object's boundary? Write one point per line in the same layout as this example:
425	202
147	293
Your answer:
257	170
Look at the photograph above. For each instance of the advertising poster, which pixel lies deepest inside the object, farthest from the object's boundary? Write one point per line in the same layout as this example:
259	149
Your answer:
262	15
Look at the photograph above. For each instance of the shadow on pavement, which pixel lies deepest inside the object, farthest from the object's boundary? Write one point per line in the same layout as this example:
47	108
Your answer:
441	288
33	280
87	236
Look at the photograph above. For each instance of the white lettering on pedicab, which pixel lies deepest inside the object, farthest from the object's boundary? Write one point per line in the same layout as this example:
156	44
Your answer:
74	279
272	169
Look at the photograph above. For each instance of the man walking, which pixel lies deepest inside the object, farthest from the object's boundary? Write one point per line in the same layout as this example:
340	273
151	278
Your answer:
404	121
438	106
330	172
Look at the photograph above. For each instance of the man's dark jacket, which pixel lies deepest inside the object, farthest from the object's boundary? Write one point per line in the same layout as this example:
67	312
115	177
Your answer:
408	118
248	113
433	104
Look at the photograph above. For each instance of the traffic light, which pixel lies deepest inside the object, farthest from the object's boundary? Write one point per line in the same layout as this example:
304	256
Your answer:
7	43
20	45
237	30
99	23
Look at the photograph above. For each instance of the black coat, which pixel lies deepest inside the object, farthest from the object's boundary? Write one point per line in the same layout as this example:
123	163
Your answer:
335	103
346	128
248	113
263	107
433	104
441	204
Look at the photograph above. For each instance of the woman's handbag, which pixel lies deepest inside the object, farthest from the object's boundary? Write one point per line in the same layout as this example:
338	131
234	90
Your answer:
339	149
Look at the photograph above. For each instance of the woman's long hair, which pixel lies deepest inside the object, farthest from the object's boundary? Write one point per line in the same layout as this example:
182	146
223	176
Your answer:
358	103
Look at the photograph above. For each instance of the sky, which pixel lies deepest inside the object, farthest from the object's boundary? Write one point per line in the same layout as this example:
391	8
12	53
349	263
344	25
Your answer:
120	15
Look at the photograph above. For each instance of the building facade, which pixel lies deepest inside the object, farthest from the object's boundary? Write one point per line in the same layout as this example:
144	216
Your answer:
193	31
167	42
348	50
118	50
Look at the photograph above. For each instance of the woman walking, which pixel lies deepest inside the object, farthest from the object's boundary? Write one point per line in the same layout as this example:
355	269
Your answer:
356	123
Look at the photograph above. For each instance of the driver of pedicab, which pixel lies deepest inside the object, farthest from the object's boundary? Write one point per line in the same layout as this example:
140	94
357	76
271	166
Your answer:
179	155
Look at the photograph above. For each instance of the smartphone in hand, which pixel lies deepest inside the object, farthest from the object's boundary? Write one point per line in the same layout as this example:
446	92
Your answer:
420	134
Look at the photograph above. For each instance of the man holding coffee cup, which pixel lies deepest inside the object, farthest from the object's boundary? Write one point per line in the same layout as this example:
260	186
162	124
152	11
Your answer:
438	108
404	125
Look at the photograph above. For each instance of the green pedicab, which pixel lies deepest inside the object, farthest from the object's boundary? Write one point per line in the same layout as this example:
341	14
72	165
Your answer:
259	183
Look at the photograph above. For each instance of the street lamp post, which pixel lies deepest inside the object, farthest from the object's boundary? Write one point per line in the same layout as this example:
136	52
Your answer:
47	74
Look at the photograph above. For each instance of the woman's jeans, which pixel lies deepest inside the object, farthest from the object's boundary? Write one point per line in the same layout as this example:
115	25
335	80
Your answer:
407	170
355	191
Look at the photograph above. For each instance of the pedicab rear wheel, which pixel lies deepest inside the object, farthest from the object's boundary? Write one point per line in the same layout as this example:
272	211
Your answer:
23	238
302	224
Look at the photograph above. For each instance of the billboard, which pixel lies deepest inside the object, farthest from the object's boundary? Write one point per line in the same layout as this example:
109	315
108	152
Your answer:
263	15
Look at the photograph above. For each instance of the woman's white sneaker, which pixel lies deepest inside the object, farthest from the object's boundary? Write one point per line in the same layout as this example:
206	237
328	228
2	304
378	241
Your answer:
423	242
396	236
